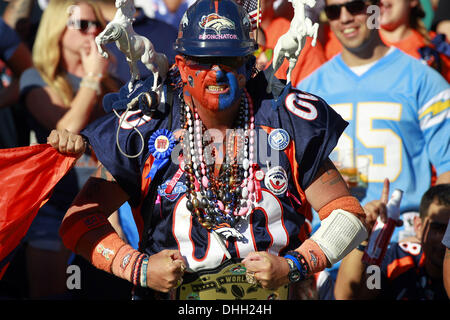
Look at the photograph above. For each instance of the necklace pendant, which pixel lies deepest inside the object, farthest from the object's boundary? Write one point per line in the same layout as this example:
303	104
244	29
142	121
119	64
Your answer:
258	191
226	231
243	212
205	182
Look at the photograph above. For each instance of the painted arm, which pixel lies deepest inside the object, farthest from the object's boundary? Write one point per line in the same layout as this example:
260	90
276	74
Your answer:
86	231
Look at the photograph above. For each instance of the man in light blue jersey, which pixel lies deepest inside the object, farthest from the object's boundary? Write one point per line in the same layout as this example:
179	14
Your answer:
398	108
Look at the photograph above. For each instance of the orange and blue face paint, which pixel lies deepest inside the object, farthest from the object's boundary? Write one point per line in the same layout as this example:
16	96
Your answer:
214	82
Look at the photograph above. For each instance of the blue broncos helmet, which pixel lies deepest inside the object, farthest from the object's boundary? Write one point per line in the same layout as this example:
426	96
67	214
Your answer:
215	28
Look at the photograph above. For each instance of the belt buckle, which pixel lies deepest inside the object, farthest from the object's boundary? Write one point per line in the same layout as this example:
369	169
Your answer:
226	282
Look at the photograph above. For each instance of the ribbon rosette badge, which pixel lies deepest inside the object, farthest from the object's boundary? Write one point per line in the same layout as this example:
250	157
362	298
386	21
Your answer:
160	145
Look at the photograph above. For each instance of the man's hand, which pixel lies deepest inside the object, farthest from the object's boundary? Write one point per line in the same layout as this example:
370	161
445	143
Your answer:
377	208
165	270
67	142
269	270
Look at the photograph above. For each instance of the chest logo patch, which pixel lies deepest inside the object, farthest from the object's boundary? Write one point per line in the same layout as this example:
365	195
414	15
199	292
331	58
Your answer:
276	180
179	188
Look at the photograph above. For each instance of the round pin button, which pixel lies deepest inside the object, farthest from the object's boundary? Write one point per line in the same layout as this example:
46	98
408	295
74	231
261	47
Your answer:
259	175
279	139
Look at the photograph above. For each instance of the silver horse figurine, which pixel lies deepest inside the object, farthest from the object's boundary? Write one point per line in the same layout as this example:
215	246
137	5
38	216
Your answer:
134	46
290	44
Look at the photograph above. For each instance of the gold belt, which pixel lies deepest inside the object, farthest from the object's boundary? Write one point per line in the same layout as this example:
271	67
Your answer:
226	282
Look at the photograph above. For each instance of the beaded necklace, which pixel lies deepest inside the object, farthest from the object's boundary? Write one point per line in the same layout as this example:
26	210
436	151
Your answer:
219	201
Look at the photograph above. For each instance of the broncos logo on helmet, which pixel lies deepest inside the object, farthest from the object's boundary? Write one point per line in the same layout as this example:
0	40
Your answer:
216	22
204	24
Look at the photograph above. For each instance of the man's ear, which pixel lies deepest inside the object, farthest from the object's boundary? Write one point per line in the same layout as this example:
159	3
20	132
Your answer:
242	81
418	226
180	61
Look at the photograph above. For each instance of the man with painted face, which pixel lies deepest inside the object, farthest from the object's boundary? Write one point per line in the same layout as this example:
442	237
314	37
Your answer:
220	176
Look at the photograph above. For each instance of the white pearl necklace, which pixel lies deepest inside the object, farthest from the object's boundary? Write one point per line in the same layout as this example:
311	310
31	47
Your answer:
222	202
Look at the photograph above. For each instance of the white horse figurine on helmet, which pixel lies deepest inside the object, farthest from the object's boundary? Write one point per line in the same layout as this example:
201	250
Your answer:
134	46
291	43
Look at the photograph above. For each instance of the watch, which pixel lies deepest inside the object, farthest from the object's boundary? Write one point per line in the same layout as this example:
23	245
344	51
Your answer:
294	274
298	267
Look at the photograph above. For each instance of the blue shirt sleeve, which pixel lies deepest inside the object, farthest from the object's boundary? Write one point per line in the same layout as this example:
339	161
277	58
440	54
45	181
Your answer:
9	41
434	117
29	80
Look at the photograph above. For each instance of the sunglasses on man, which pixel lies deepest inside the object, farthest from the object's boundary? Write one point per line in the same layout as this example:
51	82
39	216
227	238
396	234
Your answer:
224	62
84	25
355	7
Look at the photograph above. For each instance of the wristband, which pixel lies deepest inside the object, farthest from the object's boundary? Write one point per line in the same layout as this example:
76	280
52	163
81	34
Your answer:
122	265
362	246
339	234
91	83
295	260
136	275
96	76
143	278
347	203
314	255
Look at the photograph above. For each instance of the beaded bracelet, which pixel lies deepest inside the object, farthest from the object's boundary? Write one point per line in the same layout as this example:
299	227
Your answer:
97	76
91	83
135	277
300	262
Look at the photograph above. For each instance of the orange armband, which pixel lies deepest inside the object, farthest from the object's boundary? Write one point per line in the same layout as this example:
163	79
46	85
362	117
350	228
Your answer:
74	227
347	203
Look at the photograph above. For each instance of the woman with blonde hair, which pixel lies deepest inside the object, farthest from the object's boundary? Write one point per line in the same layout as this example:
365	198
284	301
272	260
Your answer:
64	90
64	53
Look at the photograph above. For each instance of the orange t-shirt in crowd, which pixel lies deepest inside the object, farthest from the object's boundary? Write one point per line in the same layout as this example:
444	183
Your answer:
310	57
331	46
410	45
